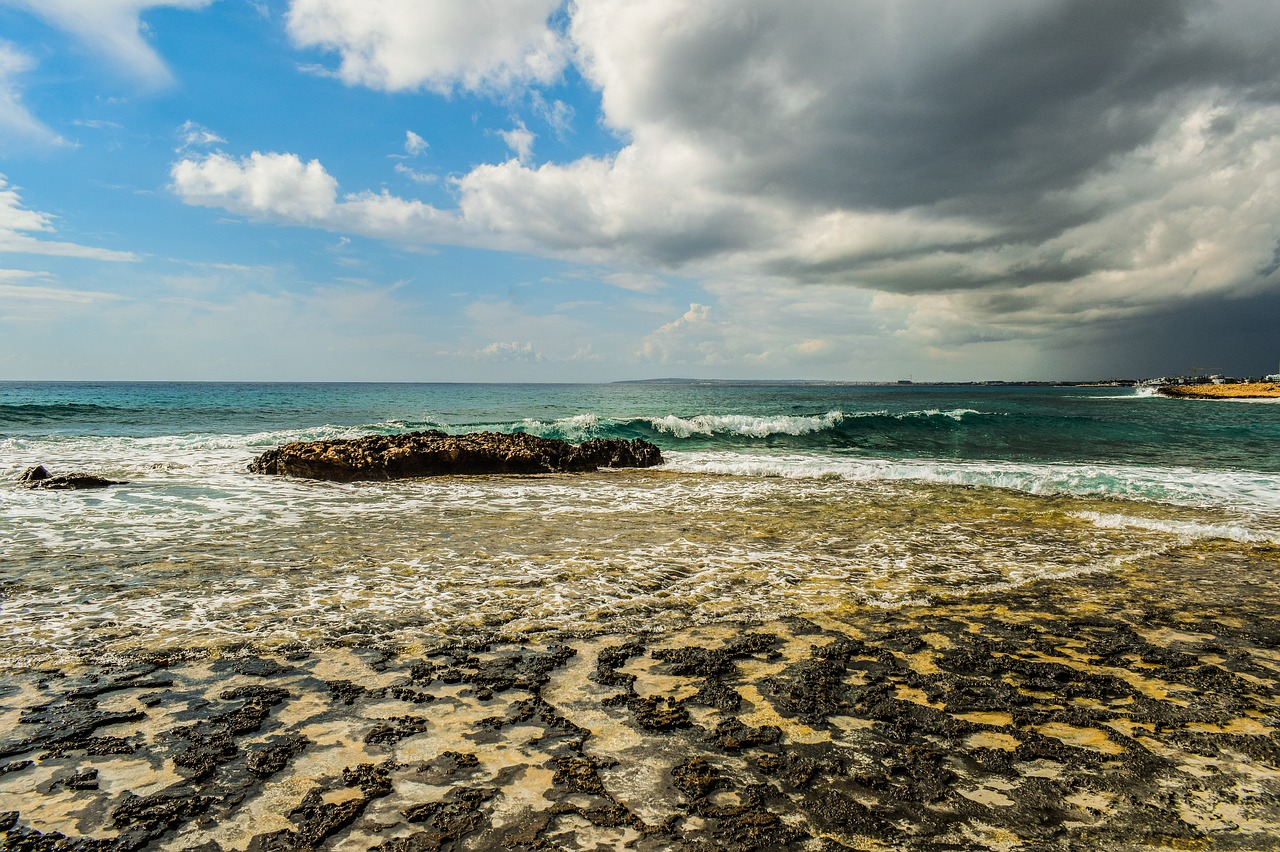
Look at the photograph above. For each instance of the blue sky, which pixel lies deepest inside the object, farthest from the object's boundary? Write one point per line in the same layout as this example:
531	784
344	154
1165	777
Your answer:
599	190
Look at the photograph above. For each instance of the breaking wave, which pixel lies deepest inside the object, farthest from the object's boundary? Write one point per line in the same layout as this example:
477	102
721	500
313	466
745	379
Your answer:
1248	490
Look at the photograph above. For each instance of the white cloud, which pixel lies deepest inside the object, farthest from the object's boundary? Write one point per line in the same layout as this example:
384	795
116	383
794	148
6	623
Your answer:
97	124
686	339
402	45
195	135
279	184
991	170
282	188
520	140
556	113
879	146
696	314
19	223
504	351
42	294
112	28
16	121
414	144
415	175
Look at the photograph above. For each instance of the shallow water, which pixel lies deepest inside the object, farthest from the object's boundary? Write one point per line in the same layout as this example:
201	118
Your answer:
775	500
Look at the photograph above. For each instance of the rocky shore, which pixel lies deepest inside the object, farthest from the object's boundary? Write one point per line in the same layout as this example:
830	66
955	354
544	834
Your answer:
40	477
1239	390
434	453
1130	710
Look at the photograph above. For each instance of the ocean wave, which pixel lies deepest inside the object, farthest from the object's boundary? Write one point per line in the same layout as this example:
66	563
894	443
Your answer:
31	413
579	427
755	426
1135	394
1185	530
1179	486
750	426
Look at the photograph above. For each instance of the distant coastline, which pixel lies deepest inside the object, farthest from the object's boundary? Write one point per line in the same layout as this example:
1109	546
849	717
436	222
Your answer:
1105	383
1233	391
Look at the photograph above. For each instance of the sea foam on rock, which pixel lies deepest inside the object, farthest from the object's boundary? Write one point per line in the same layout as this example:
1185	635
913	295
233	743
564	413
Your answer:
434	453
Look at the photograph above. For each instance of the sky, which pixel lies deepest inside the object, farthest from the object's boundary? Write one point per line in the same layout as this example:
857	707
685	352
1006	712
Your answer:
530	190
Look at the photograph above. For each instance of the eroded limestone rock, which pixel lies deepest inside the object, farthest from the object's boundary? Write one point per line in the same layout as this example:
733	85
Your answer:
434	453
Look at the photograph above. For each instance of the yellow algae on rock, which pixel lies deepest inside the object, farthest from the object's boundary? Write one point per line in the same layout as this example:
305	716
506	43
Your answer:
1091	738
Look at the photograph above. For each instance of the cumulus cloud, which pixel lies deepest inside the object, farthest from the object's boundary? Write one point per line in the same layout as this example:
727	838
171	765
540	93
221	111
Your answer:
512	351
910	148
279	184
282	188
685	339
20	227
991	170
112	28
403	45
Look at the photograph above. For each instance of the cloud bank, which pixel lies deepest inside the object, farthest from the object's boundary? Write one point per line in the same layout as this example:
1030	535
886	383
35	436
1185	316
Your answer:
991	170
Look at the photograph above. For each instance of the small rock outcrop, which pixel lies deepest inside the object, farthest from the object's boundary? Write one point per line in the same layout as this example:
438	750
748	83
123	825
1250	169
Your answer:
434	453
39	477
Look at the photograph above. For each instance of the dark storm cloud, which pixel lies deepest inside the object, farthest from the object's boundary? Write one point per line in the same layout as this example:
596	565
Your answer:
982	120
1234	336
1005	169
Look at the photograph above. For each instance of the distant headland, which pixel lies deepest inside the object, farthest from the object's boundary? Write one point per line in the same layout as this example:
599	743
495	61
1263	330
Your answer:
1195	386
1224	390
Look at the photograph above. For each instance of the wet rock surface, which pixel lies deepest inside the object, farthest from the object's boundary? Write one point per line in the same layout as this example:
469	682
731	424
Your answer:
434	453
40	477
1115	711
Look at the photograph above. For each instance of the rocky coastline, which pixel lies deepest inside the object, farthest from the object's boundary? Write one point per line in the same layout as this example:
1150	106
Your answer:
435	453
1237	390
1127	710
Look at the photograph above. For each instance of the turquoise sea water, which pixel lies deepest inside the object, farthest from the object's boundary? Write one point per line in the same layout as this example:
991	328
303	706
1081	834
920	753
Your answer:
775	499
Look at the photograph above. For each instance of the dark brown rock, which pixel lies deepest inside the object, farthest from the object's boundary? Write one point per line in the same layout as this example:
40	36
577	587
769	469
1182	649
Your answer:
434	453
34	474
269	760
39	477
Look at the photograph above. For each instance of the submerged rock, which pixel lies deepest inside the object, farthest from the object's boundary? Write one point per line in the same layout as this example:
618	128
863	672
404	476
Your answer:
433	453
39	477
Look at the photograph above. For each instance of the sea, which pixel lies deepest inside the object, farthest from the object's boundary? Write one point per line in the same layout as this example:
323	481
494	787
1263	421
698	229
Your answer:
774	500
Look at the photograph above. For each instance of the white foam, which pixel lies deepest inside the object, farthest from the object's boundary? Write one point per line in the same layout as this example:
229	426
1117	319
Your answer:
746	425
579	427
197	549
1187	531
755	426
1136	394
1182	486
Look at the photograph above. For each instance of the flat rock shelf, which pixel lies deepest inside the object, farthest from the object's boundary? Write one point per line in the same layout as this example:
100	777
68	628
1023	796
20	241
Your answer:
1133	710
